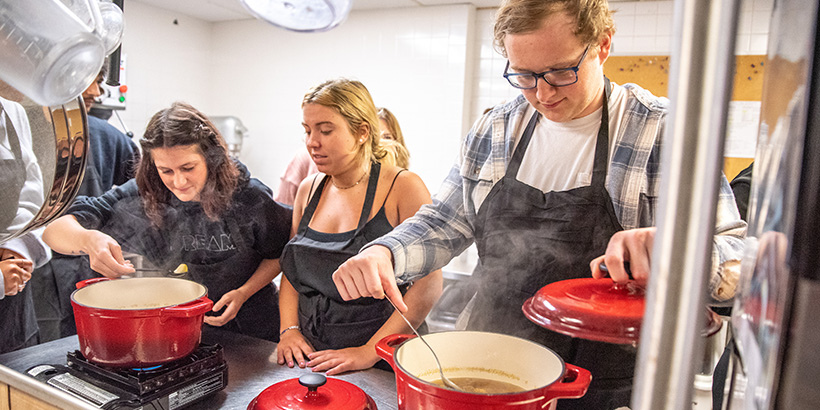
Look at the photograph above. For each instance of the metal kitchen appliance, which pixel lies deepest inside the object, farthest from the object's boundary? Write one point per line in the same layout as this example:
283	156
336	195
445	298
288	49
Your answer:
774	320
53	50
232	130
172	385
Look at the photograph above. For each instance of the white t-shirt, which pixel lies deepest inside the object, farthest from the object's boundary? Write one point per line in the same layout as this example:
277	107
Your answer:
560	154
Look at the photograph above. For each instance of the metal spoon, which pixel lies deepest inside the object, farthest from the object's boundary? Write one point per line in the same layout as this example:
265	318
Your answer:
447	382
180	270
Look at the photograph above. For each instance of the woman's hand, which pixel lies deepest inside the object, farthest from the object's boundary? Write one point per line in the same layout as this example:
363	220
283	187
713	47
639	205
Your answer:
293	348
344	360
105	255
232	302
16	272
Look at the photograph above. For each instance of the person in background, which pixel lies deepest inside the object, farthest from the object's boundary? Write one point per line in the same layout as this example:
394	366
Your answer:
354	199
298	168
549	185
113	155
390	130
189	203
18	258
741	186
395	153
111	159
22	196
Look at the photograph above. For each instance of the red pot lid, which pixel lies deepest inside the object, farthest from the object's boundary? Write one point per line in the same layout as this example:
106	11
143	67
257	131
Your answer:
594	309
312	392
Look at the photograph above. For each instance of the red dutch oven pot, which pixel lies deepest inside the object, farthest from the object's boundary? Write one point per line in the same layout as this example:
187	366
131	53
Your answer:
538	370
139	322
305	393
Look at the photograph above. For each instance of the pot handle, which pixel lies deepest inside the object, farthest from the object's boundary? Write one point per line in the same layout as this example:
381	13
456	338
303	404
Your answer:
83	283
387	346
190	309
573	385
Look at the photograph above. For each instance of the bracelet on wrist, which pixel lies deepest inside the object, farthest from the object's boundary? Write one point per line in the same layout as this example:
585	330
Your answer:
289	328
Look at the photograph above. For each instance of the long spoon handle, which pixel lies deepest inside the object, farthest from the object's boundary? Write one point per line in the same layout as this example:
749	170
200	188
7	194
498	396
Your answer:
444	378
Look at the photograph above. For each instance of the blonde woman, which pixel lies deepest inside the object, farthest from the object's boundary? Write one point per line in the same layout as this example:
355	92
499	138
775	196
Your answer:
392	137
354	199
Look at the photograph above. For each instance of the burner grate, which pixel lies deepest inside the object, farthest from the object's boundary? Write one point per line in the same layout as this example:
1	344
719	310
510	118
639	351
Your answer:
205	359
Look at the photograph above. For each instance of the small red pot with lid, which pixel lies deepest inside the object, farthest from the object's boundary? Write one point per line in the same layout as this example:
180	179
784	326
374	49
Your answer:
313	392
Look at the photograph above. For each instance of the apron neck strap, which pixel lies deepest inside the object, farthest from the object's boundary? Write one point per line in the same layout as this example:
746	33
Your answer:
370	196
375	169
601	161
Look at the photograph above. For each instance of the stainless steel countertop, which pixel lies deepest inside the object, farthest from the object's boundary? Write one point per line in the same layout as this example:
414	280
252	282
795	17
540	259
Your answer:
252	368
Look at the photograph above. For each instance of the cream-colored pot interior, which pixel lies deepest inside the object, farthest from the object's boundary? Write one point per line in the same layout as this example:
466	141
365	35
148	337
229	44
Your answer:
481	354
139	293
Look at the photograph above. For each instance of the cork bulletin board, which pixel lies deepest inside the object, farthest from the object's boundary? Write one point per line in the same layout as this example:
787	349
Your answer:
652	73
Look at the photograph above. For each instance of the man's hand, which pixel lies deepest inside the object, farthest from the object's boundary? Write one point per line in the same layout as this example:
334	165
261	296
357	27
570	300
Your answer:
369	274
633	246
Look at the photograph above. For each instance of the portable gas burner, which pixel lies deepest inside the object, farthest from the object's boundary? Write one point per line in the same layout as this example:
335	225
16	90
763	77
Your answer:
168	386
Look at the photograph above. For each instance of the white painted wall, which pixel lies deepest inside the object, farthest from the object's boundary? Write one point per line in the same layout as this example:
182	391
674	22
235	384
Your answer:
165	62
434	67
414	65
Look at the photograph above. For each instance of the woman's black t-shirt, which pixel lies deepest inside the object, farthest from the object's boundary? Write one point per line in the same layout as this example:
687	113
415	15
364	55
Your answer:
222	254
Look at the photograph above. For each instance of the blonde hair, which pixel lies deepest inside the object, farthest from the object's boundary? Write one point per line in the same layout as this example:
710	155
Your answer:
397	154
353	102
400	152
593	19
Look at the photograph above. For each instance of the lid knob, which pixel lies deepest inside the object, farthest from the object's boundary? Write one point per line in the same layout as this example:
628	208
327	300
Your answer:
312	381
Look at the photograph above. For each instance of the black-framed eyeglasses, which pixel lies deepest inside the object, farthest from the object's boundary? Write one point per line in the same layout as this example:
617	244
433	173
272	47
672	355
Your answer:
556	78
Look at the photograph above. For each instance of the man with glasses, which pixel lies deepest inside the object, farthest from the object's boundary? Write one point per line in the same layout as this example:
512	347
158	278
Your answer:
545	185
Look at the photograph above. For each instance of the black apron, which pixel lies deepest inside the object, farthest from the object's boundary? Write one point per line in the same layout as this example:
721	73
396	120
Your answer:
309	260
12	177
17	319
259	316
527	239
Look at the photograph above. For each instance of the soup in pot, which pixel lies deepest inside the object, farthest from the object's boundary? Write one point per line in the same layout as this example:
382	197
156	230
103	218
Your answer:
482	386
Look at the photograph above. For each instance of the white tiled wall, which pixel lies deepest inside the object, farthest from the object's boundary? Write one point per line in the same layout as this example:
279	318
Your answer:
434	67
645	27
642	28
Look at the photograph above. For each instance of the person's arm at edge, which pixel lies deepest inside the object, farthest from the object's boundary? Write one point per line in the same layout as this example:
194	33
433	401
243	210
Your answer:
727	252
31	246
